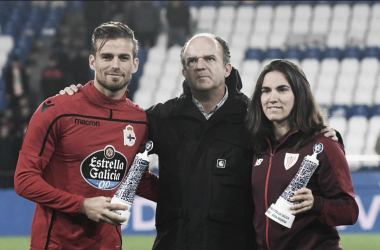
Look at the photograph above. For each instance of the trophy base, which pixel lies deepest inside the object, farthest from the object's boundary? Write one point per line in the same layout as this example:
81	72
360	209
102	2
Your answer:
124	213
281	213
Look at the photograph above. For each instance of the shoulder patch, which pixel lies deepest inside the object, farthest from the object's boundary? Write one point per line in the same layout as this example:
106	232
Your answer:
47	104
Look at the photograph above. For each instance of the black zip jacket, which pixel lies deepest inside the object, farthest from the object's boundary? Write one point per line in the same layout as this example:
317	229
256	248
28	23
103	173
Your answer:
204	194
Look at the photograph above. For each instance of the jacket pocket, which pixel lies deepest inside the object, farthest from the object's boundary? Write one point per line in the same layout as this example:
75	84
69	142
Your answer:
167	214
234	218
232	156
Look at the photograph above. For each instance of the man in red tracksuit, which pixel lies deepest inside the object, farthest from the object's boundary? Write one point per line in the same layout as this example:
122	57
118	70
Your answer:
331	186
78	149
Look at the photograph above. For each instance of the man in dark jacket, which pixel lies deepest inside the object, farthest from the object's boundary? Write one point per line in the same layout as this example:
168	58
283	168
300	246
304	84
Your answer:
205	160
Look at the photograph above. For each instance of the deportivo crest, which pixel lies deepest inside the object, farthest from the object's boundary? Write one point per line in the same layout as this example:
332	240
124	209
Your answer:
129	136
290	160
104	169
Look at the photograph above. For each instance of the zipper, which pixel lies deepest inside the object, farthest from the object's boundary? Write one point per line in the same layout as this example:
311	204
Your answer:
267	183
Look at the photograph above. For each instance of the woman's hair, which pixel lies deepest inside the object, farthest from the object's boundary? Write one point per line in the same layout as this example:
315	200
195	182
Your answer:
305	114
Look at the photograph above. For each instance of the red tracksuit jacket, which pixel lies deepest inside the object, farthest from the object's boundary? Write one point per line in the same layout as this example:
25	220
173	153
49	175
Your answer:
331	185
78	147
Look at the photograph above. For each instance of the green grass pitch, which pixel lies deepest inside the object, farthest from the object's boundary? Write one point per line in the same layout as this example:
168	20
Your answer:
348	242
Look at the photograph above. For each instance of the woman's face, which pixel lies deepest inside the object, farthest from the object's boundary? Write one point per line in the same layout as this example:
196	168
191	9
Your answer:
277	98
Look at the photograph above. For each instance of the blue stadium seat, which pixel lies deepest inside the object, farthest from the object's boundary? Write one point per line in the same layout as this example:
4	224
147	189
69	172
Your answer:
254	54
270	3
10	28
360	110
274	53
313	53
142	56
4	12
364	2
343	2
293	53
372	52
352	52
210	3
230	3
340	111
332	53
312	3
376	110
75	5
291	3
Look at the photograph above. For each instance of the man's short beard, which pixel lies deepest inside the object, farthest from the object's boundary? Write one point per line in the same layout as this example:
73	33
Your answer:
113	87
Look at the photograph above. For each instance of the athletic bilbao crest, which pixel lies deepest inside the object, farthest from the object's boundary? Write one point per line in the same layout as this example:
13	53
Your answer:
290	160
129	136
104	169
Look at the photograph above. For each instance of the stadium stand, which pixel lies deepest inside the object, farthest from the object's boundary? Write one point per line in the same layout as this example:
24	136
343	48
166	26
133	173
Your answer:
336	43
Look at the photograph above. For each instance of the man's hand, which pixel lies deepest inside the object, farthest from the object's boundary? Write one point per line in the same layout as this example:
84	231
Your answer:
71	90
306	199
99	209
328	132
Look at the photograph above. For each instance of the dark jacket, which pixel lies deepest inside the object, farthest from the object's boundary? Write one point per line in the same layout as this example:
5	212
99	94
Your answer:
204	190
331	185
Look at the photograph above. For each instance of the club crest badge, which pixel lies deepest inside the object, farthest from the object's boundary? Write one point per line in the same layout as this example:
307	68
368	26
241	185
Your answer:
290	160
129	136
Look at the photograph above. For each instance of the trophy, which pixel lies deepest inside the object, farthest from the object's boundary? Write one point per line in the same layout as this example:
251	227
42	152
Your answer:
280	212
126	192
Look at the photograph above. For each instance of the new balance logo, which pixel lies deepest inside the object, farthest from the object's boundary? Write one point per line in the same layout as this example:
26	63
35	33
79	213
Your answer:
87	122
258	162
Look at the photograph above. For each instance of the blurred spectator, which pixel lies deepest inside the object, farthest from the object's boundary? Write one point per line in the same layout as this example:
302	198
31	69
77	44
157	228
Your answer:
377	147
16	82
62	46
124	13
8	151
178	16
80	69
52	78
146	22
20	120
113	9
93	13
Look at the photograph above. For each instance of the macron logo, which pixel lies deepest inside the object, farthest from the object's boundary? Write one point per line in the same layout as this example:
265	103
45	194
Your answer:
87	122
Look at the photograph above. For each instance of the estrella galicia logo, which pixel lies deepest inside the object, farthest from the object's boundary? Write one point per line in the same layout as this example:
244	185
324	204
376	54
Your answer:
46	105
104	169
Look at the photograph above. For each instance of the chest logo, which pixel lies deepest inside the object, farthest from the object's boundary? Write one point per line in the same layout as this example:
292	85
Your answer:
258	162
221	163
290	160
129	136
104	169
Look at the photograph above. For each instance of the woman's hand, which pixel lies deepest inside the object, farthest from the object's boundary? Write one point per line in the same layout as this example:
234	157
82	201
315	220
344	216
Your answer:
306	199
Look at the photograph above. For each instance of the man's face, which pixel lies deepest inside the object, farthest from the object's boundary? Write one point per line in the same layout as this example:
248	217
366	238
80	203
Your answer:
114	65
205	70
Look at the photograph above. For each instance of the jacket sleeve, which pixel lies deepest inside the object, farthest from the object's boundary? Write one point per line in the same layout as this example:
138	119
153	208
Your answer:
37	149
335	205
149	182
